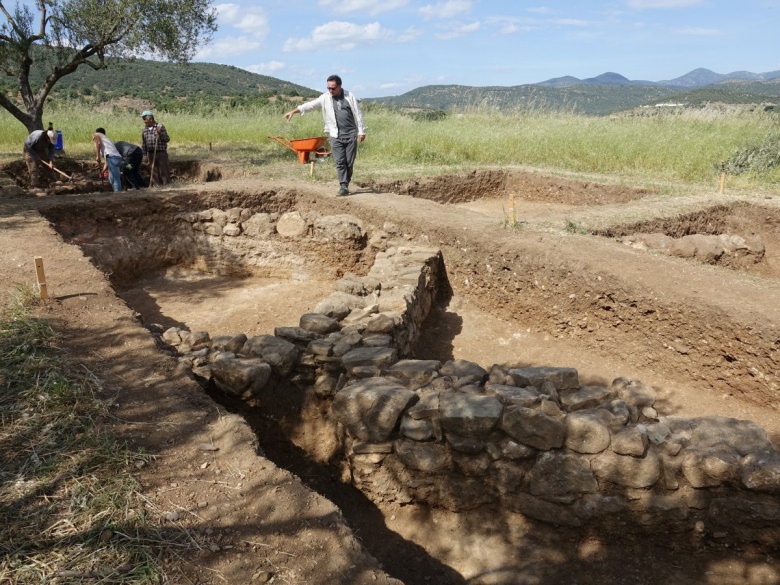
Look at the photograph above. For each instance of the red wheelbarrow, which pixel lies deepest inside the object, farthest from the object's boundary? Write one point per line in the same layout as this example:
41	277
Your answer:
303	147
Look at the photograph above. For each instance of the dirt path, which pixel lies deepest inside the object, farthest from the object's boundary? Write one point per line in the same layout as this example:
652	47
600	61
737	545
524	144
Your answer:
706	337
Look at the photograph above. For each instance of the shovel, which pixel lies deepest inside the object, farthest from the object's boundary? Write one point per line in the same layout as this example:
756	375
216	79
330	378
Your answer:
52	167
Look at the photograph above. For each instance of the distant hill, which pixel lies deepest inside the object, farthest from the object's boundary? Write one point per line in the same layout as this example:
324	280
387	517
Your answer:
173	86
602	95
589	99
704	77
138	83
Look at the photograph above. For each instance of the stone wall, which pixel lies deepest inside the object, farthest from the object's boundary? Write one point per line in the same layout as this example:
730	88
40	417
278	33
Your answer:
531	440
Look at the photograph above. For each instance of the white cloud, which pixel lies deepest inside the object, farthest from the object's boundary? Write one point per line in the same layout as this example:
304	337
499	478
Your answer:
252	22
268	68
229	47
570	22
457	30
411	81
446	9
699	32
346	36
409	35
371	7
647	4
509	25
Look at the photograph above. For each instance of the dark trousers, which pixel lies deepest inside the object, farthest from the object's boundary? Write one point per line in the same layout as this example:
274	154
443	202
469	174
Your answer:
344	154
34	168
158	168
131	169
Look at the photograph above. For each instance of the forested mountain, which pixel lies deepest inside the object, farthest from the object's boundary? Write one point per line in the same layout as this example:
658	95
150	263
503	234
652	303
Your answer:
600	96
171	86
208	86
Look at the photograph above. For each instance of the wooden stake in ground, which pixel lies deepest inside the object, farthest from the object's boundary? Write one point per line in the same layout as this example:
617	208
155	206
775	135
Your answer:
39	273
512	216
722	181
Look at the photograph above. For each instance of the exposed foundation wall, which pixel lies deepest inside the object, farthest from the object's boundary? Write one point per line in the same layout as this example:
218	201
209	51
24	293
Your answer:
236	241
456	435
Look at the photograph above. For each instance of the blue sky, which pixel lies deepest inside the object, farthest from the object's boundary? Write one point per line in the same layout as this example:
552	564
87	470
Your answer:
388	47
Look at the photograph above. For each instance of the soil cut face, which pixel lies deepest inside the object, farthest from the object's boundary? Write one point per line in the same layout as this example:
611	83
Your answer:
77	177
531	292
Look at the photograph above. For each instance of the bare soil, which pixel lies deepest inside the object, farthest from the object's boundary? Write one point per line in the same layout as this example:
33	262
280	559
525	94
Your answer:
533	286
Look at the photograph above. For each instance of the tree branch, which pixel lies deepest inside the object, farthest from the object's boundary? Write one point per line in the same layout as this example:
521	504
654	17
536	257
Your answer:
14	110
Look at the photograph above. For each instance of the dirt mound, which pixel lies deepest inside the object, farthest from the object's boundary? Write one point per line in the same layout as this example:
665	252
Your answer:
78	176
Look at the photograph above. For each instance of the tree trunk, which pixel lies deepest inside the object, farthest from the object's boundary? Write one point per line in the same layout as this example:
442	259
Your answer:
32	118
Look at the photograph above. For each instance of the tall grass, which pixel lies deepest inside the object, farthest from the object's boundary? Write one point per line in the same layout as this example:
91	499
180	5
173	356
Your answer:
687	147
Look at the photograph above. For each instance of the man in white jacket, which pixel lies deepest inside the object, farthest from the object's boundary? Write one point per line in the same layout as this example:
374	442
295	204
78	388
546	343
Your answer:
343	123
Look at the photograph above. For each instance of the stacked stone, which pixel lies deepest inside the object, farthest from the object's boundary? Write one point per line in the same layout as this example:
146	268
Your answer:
530	439
707	248
216	222
237	240
536	442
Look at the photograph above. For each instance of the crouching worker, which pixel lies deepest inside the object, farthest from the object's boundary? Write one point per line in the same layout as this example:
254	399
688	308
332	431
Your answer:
132	156
105	148
39	149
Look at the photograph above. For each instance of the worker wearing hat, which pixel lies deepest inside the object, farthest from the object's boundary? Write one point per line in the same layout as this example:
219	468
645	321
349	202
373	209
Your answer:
39	149
154	143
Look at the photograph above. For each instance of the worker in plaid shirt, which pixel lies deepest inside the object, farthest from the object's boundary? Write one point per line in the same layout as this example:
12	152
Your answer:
154	139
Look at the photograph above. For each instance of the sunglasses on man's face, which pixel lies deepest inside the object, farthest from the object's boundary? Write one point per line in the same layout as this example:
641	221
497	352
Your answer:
335	87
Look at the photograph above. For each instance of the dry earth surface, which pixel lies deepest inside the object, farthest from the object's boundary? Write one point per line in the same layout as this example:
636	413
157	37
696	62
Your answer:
531	286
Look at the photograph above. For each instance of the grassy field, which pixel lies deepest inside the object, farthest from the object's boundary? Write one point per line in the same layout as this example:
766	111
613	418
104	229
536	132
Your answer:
687	147
55	459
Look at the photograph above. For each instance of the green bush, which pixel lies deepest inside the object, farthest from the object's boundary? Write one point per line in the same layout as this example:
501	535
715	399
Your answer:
758	158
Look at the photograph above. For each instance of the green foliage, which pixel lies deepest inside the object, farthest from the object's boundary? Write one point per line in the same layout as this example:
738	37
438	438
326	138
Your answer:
427	115
758	158
38	48
680	146
572	227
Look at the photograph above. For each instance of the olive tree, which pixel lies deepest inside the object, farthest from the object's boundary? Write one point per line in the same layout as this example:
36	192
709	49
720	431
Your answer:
44	40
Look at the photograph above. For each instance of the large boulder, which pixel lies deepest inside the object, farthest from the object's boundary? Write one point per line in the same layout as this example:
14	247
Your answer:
280	354
371	408
241	377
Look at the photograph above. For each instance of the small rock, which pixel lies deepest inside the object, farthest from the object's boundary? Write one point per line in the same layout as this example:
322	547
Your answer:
172	516
208	447
262	576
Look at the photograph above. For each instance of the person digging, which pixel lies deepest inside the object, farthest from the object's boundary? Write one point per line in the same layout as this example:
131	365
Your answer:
39	150
154	143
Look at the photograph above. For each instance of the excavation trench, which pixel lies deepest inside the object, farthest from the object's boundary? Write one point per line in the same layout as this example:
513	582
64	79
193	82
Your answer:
77	177
173	261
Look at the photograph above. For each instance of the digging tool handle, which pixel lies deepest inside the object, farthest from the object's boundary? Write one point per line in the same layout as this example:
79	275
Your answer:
154	158
52	167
